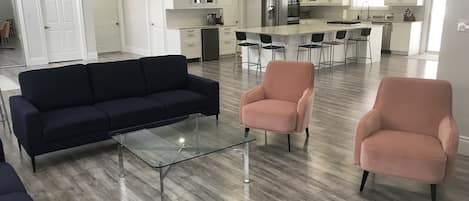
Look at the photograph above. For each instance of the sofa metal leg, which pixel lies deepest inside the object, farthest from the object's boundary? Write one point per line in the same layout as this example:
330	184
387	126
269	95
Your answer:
364	177
433	191
289	149
33	162
19	145
307	132
216	117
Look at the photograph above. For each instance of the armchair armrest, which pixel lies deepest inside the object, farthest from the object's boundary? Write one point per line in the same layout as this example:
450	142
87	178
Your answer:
208	88
27	124
369	124
304	109
2	154
253	95
448	134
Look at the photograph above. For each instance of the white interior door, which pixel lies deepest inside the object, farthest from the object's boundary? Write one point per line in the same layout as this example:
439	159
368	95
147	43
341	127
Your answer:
108	35
157	30
62	27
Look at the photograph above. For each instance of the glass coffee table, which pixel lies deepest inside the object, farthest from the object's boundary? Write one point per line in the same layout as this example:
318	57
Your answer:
184	139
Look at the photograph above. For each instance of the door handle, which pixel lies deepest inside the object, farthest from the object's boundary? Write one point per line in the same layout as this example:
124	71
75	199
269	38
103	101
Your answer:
118	24
46	27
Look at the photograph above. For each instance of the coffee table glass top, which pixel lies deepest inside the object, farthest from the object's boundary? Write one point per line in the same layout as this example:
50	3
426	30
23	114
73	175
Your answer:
192	137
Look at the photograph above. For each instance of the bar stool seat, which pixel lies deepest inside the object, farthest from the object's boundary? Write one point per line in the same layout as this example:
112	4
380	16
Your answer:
310	46
273	47
333	43
247	44
364	37
340	39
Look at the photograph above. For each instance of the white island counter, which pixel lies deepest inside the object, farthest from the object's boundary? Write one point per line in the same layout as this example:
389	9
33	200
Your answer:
291	36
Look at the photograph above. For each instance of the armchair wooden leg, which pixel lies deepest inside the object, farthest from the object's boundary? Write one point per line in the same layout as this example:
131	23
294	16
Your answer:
433	191
246	132
307	132
364	177
289	149
216	117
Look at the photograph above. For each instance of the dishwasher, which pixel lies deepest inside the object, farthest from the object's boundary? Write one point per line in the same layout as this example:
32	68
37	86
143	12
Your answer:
387	31
210	44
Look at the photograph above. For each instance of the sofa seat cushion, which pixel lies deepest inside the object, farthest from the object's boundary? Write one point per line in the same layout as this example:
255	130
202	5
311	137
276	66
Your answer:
9	180
273	115
180	102
134	111
75	121
410	155
17	196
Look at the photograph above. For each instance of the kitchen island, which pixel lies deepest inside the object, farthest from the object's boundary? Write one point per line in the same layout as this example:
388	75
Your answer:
291	36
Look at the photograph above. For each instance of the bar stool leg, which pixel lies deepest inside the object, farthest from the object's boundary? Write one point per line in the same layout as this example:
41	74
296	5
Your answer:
298	54
345	54
356	52
371	53
249	59
259	57
320	55
284	54
309	54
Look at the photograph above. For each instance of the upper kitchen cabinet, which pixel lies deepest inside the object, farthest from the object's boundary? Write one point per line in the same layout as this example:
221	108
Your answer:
404	2
194	4
325	2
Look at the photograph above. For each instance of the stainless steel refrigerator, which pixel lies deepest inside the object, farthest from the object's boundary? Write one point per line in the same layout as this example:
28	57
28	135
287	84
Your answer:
280	12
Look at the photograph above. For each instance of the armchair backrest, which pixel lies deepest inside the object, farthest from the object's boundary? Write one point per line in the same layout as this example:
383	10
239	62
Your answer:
413	105
287	80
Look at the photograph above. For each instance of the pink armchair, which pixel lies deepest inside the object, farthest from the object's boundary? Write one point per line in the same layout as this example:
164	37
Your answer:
283	101
410	132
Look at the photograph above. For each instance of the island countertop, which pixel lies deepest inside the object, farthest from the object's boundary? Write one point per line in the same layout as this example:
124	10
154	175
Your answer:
299	29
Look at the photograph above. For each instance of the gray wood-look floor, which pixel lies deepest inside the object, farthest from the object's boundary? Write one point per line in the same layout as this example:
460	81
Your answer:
319	169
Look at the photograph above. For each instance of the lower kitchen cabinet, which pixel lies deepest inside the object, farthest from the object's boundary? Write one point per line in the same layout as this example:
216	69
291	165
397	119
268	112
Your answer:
227	40
406	38
187	42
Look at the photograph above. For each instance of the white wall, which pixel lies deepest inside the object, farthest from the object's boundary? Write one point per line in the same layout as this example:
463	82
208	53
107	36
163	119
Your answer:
136	22
454	66
252	13
34	38
6	10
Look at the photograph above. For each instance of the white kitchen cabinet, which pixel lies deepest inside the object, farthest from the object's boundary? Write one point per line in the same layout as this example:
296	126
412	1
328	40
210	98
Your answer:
406	38
404	2
193	4
325	2
227	39
187	42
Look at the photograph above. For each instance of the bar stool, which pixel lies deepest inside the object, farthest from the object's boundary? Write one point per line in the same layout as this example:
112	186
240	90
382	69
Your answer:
241	42
267	39
339	40
315	38
365	36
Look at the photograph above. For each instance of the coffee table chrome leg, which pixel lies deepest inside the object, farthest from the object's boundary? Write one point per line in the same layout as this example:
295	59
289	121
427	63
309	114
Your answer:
246	163
121	161
162	174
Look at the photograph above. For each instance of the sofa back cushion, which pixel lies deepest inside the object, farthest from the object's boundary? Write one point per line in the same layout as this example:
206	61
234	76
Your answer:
165	73
113	80
55	88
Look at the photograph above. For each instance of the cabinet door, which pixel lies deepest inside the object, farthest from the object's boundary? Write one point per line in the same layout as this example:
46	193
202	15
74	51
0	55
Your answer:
400	37
191	43
227	40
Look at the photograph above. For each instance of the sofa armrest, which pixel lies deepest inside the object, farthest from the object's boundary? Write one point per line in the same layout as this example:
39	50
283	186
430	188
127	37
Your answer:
27	123
369	124
448	134
2	154
304	109
208	88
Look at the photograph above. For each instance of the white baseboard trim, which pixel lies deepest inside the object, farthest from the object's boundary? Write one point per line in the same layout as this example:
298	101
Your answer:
36	61
135	50
464	145
92	56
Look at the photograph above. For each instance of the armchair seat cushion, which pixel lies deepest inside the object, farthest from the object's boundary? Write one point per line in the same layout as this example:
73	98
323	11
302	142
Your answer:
180	102
17	196
10	182
74	121
129	112
410	155
277	115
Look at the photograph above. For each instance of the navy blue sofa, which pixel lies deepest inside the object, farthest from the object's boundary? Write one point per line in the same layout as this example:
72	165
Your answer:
74	105
11	187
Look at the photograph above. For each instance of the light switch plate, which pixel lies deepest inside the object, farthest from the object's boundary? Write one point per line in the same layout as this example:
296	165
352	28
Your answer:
463	25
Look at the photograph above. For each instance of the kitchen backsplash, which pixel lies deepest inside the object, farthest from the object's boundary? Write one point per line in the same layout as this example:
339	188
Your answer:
333	12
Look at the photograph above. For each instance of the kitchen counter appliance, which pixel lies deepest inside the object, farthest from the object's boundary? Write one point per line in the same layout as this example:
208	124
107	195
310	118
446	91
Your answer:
280	12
